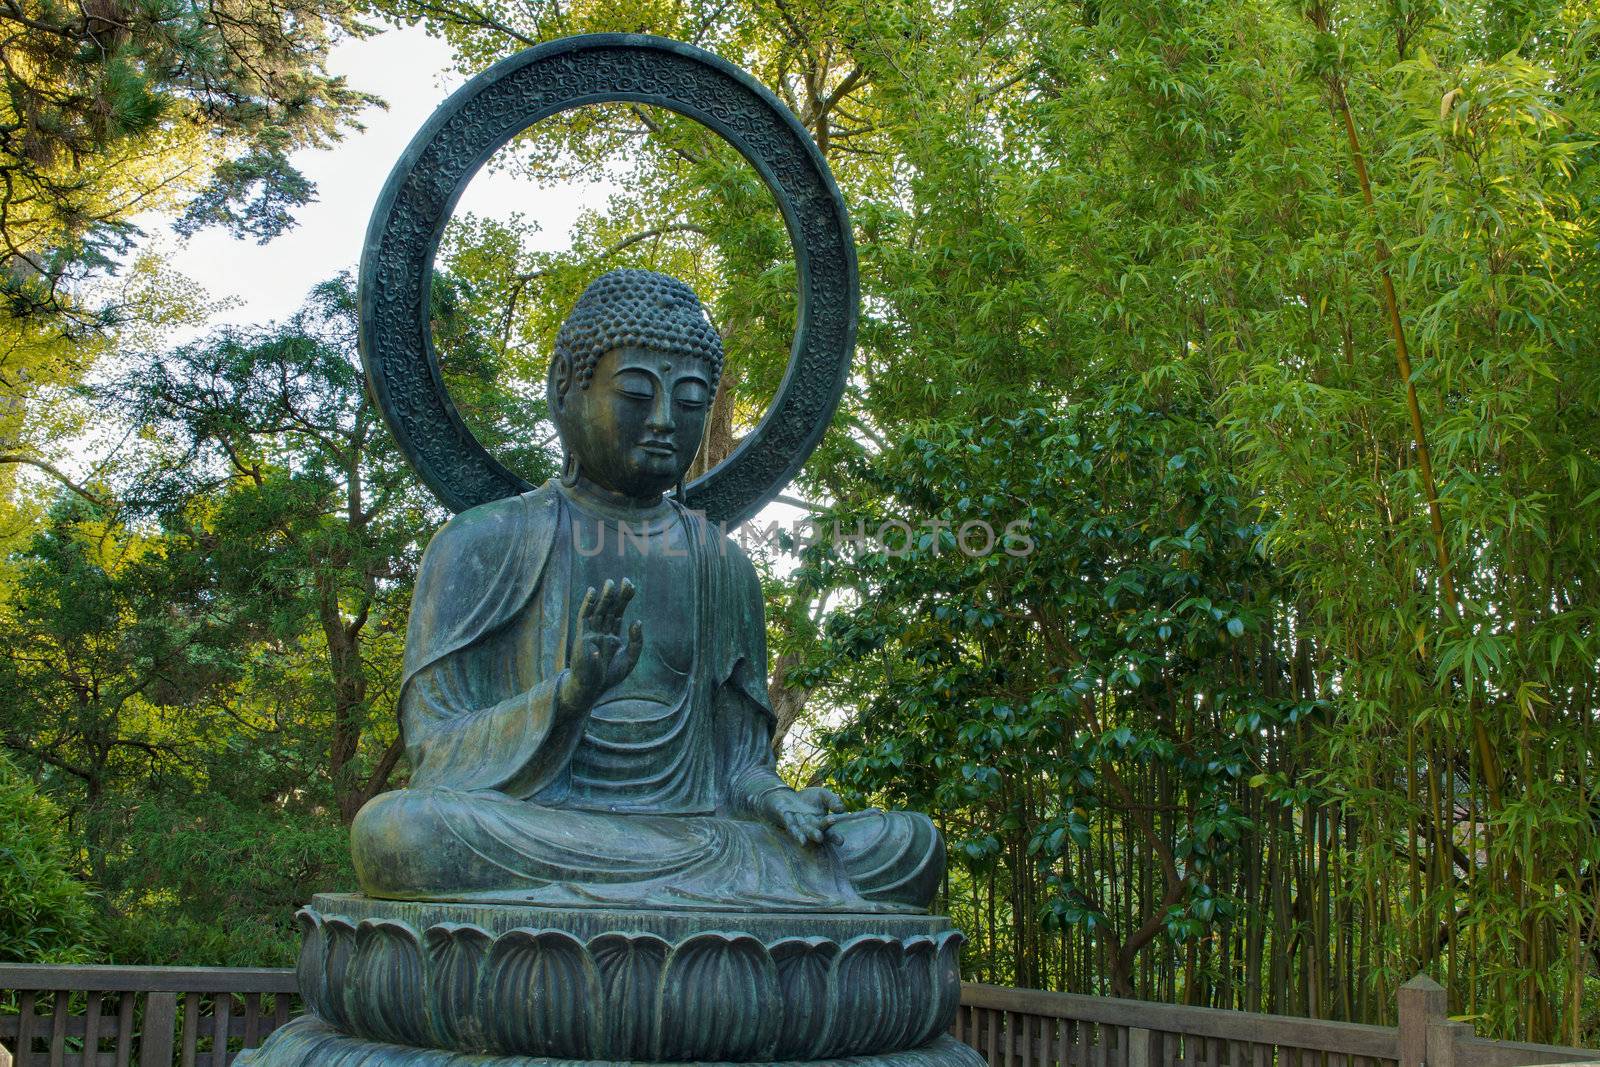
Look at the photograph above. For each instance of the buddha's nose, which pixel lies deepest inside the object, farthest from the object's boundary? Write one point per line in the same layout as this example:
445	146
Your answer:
660	420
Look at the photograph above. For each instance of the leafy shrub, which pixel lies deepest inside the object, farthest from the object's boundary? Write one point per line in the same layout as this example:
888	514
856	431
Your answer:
47	914
202	881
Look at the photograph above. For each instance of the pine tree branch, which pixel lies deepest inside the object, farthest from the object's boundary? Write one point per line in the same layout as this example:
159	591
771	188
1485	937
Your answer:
55	472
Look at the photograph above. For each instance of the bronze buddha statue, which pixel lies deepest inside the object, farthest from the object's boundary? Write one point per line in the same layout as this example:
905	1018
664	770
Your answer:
584	697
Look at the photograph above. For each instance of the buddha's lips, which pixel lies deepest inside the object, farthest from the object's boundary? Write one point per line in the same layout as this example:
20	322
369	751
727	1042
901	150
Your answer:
658	448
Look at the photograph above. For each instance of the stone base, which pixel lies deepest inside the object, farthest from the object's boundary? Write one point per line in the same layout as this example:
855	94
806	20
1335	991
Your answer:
587	984
310	1042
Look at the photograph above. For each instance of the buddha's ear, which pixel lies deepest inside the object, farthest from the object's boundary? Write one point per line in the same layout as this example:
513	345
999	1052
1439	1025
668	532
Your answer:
557	381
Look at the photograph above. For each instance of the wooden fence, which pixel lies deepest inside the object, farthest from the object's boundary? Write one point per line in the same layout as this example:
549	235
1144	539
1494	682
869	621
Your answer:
1031	1028
204	1016
118	1016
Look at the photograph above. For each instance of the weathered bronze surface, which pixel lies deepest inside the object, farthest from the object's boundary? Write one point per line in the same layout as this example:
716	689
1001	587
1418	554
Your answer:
396	340
310	1042
584	697
595	858
627	985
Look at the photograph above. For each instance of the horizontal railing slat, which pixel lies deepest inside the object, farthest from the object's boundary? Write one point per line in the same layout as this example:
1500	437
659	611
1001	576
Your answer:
77	1026
112	979
1482	1052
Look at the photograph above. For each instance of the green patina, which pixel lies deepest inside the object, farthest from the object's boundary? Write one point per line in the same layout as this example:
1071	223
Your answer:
585	697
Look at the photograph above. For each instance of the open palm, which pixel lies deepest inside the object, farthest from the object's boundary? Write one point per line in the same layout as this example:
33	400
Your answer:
602	656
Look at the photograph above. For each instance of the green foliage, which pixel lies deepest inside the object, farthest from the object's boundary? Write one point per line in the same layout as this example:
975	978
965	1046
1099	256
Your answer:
115	114
205	675
46	912
149	698
214	878
265	456
112	109
253	195
102	634
1051	659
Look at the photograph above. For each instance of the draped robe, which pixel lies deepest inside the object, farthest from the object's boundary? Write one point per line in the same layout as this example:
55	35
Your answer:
649	801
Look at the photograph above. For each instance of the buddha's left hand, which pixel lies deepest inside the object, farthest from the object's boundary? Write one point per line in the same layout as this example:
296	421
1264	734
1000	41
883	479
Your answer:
804	815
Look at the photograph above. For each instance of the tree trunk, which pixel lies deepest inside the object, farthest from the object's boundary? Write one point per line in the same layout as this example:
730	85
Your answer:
349	700
788	702
718	441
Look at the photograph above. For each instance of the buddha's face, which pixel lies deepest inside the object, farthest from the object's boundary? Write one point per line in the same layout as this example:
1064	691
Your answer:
637	427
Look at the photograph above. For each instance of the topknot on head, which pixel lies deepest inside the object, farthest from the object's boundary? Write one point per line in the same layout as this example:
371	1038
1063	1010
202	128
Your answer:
636	308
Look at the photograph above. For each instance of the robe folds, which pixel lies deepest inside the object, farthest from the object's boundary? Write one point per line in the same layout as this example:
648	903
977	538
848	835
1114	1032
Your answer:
623	808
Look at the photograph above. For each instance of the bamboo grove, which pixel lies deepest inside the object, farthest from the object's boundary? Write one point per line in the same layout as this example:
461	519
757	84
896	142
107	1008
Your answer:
1296	696
1270	324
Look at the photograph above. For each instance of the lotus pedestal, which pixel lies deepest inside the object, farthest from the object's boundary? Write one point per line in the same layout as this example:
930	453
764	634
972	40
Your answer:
392	983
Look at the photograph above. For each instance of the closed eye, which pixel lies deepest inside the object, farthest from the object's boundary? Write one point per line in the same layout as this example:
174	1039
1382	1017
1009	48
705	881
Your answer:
635	385
691	394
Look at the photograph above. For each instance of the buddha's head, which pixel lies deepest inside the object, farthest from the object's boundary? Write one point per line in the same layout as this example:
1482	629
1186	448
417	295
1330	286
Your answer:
635	367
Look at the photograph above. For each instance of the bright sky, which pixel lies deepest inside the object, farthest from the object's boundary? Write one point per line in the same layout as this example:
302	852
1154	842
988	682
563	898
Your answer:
406	68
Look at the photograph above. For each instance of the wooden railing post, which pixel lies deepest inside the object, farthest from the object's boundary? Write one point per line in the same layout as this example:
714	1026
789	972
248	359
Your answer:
1423	1006
26	1021
1444	1043
1144	1047
155	1038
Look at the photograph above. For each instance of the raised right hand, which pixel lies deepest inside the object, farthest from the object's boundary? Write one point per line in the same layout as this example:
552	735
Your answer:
601	658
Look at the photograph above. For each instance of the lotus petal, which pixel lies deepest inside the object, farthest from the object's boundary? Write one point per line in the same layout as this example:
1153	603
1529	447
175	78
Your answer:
804	965
384	997
311	966
456	954
918	961
339	934
630	969
866	978
541	996
719	1000
944	997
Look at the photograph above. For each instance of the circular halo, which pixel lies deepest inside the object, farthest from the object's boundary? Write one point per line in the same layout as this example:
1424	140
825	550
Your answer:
486	113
